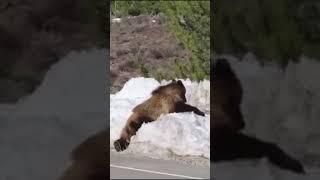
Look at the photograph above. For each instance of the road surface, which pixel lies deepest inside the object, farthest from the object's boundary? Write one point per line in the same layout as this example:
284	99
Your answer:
123	166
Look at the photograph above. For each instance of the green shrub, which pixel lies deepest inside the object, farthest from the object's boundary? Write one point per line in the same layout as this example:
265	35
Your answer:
190	23
277	30
94	19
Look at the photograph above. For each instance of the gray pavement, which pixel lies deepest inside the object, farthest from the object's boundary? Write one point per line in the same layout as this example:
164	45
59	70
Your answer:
123	166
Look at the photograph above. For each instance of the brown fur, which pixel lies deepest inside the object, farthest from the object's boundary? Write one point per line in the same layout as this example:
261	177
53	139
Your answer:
89	159
227	97
165	99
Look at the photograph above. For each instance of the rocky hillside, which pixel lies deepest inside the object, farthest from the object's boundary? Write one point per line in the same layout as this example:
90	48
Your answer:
142	46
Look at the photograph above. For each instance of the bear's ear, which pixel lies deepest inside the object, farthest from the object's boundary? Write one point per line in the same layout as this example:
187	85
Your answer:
222	63
173	81
180	83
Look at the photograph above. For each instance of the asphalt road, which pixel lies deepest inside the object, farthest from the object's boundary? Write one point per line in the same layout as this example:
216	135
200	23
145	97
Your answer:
123	166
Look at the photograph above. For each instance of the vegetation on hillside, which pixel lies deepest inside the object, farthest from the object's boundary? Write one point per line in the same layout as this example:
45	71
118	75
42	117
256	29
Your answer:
279	30
189	21
94	18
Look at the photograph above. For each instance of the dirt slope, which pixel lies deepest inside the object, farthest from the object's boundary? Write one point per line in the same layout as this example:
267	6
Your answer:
141	46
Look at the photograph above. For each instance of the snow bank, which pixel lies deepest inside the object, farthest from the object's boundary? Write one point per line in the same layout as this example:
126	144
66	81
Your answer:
37	134
75	84
173	134
282	107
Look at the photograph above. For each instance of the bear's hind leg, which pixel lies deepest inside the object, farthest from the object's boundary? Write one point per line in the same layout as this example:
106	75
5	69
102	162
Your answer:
132	126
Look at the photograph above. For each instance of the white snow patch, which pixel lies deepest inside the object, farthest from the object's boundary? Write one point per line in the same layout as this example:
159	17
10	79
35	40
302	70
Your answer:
74	84
116	20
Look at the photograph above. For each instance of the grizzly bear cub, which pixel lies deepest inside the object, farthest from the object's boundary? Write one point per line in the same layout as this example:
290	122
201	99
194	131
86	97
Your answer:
226	98
227	121
165	99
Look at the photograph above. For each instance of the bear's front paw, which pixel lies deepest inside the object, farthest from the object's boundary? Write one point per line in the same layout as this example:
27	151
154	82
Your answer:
294	165
284	160
200	113
120	144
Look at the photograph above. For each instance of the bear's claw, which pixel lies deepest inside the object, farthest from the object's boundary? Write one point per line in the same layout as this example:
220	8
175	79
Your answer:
120	145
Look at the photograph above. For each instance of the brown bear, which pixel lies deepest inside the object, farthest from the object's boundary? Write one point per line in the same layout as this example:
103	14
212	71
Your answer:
228	143
90	159
165	99
226	97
